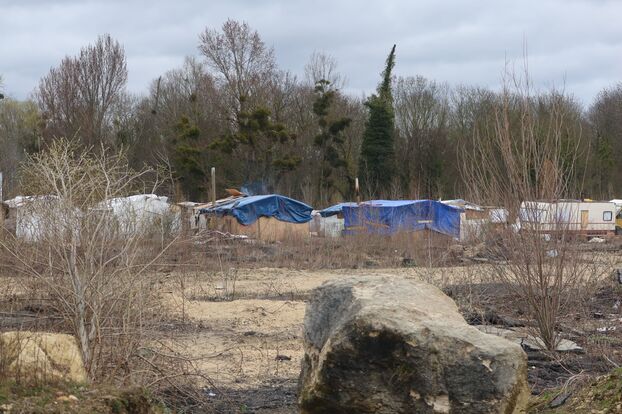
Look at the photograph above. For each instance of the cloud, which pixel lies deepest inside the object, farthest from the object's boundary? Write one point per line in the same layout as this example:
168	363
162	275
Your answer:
570	42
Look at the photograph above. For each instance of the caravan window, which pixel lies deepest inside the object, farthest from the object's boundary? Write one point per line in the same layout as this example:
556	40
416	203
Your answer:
607	215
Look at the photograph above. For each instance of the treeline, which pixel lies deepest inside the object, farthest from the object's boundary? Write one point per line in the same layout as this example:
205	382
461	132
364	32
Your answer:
231	107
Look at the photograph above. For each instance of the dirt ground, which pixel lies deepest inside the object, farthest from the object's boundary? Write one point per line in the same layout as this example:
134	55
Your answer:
246	329
242	326
247	324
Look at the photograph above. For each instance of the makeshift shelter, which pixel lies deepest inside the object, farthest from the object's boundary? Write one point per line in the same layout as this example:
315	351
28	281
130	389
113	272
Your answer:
31	217
143	212
190	218
336	210
473	218
270	217
329	222
498	215
394	216
587	218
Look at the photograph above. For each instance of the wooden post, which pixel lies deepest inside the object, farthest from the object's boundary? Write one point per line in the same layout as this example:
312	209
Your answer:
213	186
357	191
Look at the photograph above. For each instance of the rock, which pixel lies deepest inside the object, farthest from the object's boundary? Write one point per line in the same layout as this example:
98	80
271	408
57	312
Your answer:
392	345
40	356
560	399
67	398
527	341
6	408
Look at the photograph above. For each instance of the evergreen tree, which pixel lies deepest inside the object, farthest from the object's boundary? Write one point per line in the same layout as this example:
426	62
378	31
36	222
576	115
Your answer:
330	141
263	147
377	161
187	158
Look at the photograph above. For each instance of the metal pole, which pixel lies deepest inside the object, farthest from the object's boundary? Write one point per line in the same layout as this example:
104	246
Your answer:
356	190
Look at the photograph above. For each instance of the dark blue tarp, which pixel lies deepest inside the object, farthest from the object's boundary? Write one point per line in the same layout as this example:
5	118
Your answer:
247	210
336	209
392	216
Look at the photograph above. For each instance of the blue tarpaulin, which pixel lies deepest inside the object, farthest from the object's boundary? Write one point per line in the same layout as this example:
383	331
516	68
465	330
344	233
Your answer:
336	209
247	210
392	216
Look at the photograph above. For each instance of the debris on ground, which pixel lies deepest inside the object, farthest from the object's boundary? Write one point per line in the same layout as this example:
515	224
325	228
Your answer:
527	340
560	399
211	236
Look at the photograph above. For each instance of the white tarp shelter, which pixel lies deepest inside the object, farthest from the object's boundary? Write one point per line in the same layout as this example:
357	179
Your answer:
143	212
30	217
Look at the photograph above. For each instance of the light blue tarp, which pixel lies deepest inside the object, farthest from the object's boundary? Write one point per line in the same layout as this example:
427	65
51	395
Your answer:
393	216
336	209
247	210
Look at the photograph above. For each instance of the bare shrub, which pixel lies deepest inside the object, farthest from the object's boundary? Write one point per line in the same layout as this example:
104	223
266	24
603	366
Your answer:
526	156
97	278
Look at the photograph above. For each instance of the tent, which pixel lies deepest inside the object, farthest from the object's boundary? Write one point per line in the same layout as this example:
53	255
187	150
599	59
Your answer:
143	212
329	222
267	217
393	216
336	209
248	210
32	218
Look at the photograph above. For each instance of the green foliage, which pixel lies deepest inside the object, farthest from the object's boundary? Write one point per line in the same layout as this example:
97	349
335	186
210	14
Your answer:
330	141
99	398
377	161
260	145
187	158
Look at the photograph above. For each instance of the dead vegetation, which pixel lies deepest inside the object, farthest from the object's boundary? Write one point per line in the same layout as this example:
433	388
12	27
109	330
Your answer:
214	322
230	338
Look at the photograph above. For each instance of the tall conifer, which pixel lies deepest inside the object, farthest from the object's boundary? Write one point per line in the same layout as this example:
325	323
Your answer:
377	161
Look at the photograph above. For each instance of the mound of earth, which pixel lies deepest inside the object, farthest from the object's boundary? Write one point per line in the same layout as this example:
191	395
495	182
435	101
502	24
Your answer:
603	395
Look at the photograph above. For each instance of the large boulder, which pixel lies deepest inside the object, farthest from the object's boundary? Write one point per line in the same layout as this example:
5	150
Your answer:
40	356
392	345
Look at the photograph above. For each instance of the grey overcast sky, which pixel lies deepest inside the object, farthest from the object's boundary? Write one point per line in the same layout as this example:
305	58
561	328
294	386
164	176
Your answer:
575	44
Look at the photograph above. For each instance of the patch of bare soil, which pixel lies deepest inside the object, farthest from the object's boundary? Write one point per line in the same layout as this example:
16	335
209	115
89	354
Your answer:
249	325
245	331
242	327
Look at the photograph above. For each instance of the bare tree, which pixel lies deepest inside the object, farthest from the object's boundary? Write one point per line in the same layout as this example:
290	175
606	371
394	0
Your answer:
82	254
605	117
19	124
77	98
322	66
241	60
423	148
